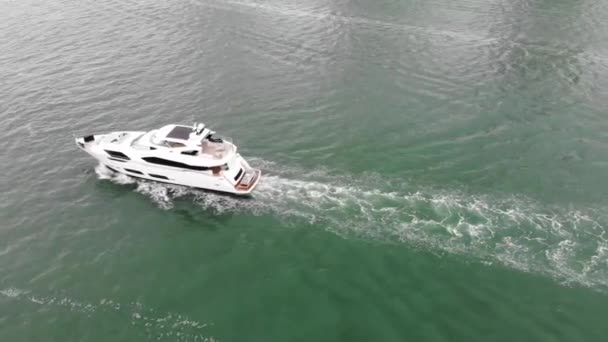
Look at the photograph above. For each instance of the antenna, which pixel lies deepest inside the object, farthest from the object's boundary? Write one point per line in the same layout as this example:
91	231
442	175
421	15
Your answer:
192	119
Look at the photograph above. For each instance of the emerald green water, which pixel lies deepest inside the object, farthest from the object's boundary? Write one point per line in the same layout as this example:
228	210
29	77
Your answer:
433	171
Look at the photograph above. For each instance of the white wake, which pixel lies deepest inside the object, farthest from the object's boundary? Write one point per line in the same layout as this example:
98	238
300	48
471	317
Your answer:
567	244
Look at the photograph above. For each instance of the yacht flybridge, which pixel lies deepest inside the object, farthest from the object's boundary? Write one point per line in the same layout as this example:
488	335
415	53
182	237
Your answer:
193	156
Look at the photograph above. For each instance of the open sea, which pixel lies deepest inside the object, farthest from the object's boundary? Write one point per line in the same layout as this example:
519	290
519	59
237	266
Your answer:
434	170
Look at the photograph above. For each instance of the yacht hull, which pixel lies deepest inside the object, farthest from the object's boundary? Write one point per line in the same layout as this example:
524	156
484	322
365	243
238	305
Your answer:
240	179
226	193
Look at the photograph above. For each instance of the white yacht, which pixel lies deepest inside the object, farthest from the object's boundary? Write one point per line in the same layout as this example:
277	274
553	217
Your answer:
186	155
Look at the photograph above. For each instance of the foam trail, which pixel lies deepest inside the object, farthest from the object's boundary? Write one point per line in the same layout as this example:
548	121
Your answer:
104	173
159	326
569	245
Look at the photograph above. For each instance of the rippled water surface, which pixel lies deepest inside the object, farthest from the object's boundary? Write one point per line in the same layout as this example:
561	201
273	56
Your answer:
434	171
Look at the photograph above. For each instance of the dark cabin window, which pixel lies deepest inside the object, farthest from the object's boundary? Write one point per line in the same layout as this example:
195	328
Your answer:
158	176
134	171
171	163
117	154
190	153
238	175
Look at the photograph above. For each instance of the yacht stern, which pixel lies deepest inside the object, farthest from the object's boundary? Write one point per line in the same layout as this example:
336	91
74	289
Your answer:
248	181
